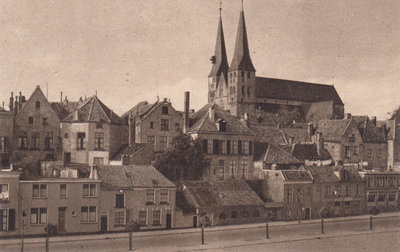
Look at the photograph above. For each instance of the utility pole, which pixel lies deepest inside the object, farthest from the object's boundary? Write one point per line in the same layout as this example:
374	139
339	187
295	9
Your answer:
22	234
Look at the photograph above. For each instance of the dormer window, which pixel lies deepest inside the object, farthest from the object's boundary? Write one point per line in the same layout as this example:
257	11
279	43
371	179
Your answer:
37	105
164	110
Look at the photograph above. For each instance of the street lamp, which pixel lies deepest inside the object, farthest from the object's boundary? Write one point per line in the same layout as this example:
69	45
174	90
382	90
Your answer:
23	225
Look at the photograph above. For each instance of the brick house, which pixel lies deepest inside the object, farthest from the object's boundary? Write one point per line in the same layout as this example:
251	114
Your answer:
227	142
290	189
36	129
155	123
70	203
6	137
382	190
336	191
9	203
216	203
135	193
92	133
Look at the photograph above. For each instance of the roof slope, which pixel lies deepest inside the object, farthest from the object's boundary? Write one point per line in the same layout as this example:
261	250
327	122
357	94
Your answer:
276	155
201	121
131	176
295	90
134	149
296	176
224	193
220	66
322	174
317	111
333	130
93	110
308	152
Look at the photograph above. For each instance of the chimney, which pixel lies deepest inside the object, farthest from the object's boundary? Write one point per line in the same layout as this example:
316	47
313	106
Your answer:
16	106
347	116
11	102
20	101
211	113
186	111
61	101
320	143
373	120
93	173
246	116
310	129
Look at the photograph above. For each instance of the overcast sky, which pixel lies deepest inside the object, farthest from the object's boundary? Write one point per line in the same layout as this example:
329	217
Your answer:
131	51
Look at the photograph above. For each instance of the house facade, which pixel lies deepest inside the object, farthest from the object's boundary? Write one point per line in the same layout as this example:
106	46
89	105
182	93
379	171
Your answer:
6	137
135	193
9	203
227	142
156	123
92	133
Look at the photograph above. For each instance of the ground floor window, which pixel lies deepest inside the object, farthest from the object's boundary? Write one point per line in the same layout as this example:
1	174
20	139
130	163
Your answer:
371	197
119	219
381	197
38	215
88	214
142	218
98	161
156	217
3	219
392	197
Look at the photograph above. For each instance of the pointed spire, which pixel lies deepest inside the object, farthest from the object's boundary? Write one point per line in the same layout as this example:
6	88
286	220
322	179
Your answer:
241	57
219	60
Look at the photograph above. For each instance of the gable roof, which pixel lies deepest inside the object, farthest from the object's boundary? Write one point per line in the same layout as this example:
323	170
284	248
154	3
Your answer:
222	193
270	135
317	111
322	174
132	176
134	149
333	130
296	176
295	90
276	155
202	123
93	110
307	151
38	92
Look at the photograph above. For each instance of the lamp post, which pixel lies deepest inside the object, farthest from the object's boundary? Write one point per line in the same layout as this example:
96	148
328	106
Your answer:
22	235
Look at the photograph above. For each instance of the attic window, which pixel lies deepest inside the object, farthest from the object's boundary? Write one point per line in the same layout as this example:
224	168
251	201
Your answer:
352	138
155	182
221	125
164	110
99	125
37	105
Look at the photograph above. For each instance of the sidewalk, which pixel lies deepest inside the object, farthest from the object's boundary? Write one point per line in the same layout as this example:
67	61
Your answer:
57	239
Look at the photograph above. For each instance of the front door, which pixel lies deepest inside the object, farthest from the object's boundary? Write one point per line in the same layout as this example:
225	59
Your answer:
103	224
61	219
308	211
195	221
168	222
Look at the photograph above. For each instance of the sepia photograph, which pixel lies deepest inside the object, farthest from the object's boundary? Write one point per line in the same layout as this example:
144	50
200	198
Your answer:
199	125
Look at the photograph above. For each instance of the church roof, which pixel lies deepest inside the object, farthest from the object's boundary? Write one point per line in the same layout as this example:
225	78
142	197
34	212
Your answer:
295	90
221	61
241	56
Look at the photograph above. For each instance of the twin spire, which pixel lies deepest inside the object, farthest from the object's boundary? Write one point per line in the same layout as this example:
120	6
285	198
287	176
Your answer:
241	56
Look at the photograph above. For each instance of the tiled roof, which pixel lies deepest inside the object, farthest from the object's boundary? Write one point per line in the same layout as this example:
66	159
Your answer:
317	111
308	152
295	90
276	155
140	109
134	149
93	110
224	193
201	122
322	174
333	130
299	135
352	172
270	134
260	148
131	176
296	176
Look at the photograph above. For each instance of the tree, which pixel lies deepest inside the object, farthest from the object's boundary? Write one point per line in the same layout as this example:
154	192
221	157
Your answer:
395	114
184	161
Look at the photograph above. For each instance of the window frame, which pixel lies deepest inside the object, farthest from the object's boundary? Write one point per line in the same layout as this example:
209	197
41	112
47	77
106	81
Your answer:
91	190
63	196
164	197
150	196
39	194
159	223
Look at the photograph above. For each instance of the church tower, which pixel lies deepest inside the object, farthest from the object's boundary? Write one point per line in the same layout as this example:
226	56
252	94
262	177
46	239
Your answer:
241	75
217	79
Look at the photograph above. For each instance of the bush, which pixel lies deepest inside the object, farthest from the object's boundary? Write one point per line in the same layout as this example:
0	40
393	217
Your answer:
375	211
51	229
325	213
133	226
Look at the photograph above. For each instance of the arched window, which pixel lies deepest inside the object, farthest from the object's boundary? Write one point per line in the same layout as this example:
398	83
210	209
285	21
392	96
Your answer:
222	216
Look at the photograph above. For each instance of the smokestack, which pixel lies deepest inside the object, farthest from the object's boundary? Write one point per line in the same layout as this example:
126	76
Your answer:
16	105
320	143
11	102
20	101
186	110
61	96
373	119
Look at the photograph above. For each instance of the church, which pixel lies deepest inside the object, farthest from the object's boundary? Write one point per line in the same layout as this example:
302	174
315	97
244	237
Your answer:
236	87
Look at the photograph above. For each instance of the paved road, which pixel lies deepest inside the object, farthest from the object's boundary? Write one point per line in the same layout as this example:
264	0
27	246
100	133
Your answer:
188	241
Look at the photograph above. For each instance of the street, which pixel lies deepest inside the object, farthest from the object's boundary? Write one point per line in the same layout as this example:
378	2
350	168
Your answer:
339	235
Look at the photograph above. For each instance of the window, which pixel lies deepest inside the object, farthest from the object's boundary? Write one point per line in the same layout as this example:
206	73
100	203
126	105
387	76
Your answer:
142	218
371	197
4	193
63	191
66	135
35	140
156	217
119	219
150	196
234	147
81	140
248	91
88	214
30	120
327	191
348	190
3	219
150	139
164	110
39	191
248	74
38	215
99	140
244	166
381	197
223	147
369	154
151	125
99	125
357	190
98	161
37	105
164	124
89	190
240	149
164	196
209	146
48	141
222	216
22	142
250	148
352	139
3	144
163	143
217	147
228	147
245	214
245	148
232	169
256	213
221	169
204	145
299	195
119	201
234	215
392	197
347	151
